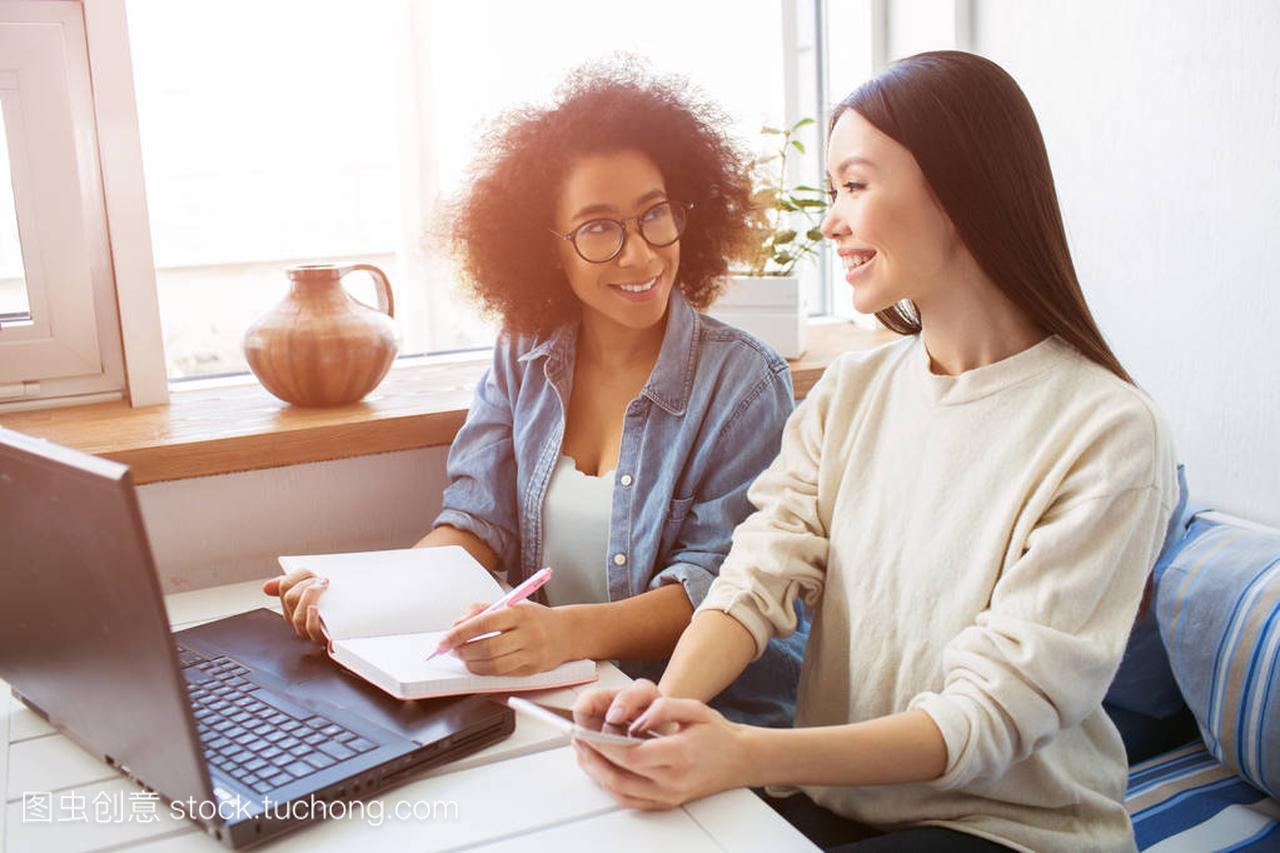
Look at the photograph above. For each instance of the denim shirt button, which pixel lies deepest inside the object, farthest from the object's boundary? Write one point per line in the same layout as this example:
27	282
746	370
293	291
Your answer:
619	559
625	479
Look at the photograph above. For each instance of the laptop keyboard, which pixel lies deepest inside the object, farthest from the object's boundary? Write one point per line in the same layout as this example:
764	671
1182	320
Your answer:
252	735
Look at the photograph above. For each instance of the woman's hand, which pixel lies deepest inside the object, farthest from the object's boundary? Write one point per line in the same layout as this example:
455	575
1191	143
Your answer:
705	754
298	592
531	638
617	706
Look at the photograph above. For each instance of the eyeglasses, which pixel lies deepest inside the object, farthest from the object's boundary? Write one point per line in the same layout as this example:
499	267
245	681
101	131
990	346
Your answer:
599	241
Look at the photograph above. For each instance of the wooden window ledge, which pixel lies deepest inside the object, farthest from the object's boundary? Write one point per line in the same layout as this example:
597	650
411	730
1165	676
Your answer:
220	430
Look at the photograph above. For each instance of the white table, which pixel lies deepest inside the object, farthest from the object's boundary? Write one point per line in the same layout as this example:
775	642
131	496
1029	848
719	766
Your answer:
524	793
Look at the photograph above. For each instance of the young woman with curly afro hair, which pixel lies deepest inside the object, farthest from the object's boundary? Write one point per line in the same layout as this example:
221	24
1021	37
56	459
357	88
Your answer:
617	431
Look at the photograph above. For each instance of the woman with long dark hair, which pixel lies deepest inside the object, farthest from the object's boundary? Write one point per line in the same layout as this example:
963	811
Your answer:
971	510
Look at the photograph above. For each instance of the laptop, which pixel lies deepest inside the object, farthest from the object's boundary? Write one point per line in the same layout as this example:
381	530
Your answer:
244	727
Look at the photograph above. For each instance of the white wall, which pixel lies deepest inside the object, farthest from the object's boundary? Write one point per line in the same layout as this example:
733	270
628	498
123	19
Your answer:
215	530
1162	119
1163	125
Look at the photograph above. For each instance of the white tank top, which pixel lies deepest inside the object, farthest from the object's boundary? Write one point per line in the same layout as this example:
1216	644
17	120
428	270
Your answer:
575	518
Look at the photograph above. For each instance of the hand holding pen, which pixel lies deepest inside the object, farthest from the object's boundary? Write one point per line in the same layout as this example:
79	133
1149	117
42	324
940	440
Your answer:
521	592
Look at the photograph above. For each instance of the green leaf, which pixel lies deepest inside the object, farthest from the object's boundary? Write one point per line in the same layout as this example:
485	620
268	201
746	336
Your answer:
784	218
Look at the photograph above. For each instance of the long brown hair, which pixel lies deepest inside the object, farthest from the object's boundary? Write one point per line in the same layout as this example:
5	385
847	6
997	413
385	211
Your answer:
972	131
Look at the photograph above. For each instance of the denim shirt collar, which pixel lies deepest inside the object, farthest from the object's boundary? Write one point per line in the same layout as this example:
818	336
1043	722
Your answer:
671	381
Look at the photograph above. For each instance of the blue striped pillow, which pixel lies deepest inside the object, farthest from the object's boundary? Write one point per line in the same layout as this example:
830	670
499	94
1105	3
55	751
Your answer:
1143	683
1185	800
1218	609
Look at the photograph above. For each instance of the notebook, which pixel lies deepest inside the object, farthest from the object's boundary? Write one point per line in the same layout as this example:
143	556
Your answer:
385	612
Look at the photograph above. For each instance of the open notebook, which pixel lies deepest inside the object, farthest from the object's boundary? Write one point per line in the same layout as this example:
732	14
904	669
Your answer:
385	612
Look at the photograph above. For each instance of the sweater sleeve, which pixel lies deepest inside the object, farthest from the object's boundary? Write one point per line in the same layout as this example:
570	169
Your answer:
1040	657
780	550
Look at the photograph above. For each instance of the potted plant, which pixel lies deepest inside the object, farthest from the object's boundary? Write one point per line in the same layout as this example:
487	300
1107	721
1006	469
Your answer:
764	297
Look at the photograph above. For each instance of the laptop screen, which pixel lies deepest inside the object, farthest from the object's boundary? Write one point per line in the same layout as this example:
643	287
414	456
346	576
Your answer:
83	633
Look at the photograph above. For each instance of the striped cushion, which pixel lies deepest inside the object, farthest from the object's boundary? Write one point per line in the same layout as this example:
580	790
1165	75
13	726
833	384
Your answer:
1218	609
1186	801
1143	683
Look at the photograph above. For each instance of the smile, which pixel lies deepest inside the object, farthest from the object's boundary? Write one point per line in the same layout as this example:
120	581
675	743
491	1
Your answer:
855	258
637	287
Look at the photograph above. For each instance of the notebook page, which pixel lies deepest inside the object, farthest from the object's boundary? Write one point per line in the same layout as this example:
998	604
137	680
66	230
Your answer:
403	662
406	591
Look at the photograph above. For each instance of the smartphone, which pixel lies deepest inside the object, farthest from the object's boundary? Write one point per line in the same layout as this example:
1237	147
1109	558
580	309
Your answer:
591	729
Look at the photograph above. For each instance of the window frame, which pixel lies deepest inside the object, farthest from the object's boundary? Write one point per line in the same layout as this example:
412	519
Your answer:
72	350
125	197
117	145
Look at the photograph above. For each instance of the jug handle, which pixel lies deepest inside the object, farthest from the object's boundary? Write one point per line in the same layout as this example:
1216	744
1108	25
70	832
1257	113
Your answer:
386	302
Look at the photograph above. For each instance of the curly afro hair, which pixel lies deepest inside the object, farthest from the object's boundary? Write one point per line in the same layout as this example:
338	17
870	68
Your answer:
497	229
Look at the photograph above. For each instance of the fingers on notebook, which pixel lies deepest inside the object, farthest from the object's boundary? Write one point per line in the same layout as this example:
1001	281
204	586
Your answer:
314	632
297	603
472	610
490	648
286	584
499	620
516	663
281	584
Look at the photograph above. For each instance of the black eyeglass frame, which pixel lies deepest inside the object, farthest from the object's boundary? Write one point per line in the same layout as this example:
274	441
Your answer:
572	236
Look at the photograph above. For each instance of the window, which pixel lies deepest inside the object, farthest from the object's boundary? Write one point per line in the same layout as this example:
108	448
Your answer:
289	132
851	42
58	328
856	41
294	132
15	305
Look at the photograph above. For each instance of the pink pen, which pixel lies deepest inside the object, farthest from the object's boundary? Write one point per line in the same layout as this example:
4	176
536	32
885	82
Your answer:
531	585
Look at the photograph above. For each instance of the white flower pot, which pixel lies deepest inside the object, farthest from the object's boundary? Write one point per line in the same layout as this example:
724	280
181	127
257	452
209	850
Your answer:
769	307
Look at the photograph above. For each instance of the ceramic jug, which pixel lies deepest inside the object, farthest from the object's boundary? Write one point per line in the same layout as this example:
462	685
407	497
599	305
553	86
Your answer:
320	346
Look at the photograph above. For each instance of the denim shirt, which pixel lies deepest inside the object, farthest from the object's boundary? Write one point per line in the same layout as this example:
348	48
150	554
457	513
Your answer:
706	423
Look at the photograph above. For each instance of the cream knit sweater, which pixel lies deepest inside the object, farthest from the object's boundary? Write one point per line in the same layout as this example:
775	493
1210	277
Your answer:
975	546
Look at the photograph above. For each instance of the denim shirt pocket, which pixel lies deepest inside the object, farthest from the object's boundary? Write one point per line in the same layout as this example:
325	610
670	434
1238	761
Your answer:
676	515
